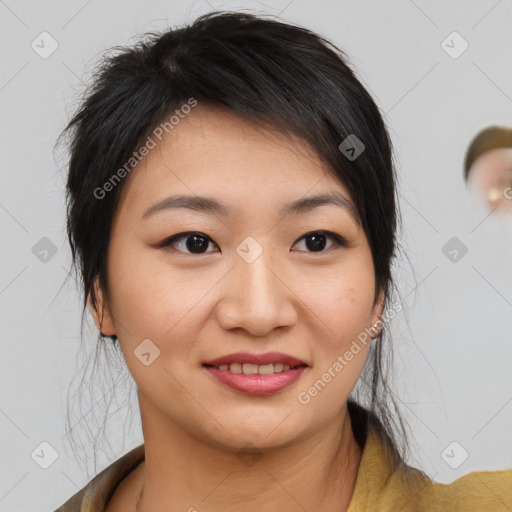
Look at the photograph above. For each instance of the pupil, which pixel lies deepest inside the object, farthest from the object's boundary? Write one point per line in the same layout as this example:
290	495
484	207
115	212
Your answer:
319	242
197	243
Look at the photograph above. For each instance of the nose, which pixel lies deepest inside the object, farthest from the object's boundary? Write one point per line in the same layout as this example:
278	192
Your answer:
256	298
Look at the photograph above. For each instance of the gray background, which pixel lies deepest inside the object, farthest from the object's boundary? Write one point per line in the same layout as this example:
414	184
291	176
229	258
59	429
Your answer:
453	355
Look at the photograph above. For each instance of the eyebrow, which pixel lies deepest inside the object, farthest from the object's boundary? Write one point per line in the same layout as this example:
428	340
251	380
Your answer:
212	206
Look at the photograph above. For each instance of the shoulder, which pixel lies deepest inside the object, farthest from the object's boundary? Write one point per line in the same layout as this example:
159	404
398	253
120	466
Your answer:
96	494
411	490
479	490
384	487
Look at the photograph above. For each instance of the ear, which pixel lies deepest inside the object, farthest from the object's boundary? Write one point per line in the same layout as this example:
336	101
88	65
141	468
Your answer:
378	310
102	316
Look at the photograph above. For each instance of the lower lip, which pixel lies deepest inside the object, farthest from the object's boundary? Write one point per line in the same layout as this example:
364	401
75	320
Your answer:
257	384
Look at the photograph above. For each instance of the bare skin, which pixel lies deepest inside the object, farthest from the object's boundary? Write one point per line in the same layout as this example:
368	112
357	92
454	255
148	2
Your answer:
490	180
306	302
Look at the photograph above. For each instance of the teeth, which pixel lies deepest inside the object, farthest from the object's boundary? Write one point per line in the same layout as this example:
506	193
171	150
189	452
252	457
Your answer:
253	369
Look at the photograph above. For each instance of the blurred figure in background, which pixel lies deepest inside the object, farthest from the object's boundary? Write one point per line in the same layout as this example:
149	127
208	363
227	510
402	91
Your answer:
488	170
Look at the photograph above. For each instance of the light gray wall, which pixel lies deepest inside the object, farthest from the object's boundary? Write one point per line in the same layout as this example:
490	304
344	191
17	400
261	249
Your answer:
453	357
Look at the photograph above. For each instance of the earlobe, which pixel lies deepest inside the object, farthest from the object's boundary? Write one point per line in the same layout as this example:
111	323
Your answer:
102	316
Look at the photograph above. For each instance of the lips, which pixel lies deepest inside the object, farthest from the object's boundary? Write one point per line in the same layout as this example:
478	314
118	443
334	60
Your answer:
259	359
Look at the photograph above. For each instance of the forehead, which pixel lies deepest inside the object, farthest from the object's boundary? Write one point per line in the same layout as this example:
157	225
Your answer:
215	133
216	153
491	164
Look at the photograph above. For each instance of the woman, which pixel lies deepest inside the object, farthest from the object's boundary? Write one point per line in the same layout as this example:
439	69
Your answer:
232	209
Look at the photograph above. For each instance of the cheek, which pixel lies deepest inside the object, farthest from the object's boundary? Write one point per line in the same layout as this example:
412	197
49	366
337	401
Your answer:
343	307
347	306
341	347
153	301
343	300
347	311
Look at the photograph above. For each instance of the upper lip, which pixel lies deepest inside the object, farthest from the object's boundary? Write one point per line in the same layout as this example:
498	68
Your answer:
260	359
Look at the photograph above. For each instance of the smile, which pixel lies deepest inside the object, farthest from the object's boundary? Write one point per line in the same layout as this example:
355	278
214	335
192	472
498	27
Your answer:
253	369
256	379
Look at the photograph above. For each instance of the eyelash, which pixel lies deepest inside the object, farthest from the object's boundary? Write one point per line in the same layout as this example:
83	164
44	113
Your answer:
338	240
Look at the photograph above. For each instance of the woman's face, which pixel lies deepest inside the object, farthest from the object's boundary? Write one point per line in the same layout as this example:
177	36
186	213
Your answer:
251	283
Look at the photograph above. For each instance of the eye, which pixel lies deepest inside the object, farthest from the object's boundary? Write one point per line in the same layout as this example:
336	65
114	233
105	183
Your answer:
317	240
195	242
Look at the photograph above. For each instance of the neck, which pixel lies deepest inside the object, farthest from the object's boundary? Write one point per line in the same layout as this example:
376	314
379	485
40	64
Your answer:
181	472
